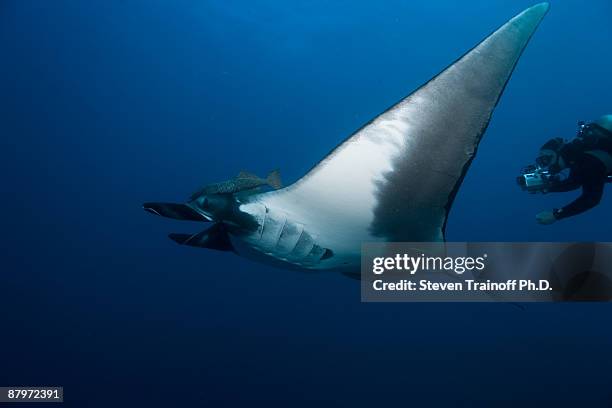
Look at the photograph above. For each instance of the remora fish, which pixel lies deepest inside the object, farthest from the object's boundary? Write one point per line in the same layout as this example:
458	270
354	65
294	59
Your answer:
244	181
395	179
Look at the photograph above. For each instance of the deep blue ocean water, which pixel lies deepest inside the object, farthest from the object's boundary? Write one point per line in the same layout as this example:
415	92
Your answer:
108	104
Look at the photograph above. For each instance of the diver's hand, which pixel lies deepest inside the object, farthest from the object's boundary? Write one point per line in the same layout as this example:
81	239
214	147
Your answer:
546	218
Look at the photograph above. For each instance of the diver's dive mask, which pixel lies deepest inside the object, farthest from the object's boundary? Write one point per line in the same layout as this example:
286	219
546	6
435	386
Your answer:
540	177
549	157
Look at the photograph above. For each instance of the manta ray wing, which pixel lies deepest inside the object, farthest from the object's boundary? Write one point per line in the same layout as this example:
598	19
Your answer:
395	178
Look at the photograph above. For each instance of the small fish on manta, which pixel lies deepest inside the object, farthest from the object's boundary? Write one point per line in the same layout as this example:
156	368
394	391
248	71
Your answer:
243	182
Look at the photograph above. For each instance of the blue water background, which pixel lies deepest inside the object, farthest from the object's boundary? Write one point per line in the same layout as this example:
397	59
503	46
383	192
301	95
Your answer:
108	104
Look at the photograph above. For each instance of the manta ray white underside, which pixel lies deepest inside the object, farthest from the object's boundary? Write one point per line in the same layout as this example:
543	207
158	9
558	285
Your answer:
394	179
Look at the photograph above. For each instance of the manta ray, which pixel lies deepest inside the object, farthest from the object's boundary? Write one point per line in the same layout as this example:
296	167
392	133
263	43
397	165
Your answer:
394	179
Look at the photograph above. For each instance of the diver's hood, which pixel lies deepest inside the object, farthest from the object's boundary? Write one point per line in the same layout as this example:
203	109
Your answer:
554	144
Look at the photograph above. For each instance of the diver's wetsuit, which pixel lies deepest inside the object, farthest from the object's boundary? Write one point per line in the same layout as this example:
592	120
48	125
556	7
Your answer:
586	171
590	174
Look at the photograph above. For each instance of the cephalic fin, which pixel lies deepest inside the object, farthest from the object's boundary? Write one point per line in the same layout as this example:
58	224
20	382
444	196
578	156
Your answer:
175	211
215	237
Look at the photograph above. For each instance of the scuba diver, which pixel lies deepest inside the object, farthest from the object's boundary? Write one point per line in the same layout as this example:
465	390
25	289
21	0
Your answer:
585	161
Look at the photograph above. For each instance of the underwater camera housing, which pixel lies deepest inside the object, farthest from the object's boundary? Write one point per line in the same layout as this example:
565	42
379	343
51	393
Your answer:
535	179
